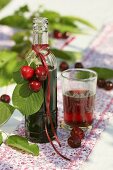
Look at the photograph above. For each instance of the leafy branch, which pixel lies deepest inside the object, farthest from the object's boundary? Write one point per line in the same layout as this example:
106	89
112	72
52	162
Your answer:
22	37
25	100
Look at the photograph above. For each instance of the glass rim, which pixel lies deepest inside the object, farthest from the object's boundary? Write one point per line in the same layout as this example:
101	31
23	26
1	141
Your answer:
79	69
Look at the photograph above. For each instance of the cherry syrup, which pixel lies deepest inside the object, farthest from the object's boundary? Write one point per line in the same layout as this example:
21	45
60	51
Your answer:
78	107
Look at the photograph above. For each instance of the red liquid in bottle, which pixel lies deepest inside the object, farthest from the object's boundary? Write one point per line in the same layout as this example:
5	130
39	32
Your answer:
78	107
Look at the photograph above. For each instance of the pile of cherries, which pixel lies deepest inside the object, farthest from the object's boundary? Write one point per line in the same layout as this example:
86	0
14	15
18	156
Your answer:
64	65
59	35
107	85
35	77
5	98
77	134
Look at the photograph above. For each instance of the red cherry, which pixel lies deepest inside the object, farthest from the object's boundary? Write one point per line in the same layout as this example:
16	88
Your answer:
74	142
5	98
78	65
41	73
57	34
76	131
63	66
35	85
27	72
108	85
65	35
101	83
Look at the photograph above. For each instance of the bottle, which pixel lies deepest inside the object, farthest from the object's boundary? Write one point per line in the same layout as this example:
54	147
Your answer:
35	123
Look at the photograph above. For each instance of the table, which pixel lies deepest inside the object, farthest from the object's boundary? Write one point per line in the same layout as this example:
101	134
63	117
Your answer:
97	147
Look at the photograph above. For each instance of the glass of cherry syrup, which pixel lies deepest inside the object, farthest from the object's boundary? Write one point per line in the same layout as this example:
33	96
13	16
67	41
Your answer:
79	90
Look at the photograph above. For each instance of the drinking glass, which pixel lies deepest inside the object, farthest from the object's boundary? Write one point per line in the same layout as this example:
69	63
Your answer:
79	90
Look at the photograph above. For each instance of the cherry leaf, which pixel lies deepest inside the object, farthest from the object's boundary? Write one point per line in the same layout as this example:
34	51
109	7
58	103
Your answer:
103	73
26	101
16	75
6	111
19	142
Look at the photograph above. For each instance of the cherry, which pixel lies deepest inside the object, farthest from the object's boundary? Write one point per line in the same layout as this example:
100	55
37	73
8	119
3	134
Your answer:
74	142
41	73
108	85
5	98
35	85
76	131
27	72
57	34
65	35
79	65
63	66
101	83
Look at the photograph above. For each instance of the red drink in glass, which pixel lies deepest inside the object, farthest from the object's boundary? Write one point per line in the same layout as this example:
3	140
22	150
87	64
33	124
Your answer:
78	107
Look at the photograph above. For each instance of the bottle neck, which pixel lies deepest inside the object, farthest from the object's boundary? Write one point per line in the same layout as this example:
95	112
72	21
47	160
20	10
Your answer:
40	38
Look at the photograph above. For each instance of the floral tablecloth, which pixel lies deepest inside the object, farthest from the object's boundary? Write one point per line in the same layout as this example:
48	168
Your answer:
99	53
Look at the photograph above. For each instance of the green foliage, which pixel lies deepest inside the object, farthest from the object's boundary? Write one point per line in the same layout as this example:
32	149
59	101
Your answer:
8	63
18	19
65	23
51	15
1	138
103	73
20	36
3	3
71	20
21	143
6	111
16	74
56	21
26	101
67	55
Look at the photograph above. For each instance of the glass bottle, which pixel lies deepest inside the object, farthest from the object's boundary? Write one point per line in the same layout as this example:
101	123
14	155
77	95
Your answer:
35	123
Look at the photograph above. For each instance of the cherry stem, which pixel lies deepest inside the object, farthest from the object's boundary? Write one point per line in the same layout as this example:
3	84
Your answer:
64	157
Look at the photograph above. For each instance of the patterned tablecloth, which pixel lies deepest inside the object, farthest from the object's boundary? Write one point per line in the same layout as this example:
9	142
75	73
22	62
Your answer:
99	53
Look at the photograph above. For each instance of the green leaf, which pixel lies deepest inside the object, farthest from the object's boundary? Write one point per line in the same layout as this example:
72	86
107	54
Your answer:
5	79
51	15
6	111
74	19
22	10
67	28
103	73
22	144
18	37
1	138
8	63
26	101
17	21
22	48
16	75
6	56
33	65
3	3
66	55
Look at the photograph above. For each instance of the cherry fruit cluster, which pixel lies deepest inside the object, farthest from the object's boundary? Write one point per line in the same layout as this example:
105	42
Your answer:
64	65
105	84
77	134
59	35
35	77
